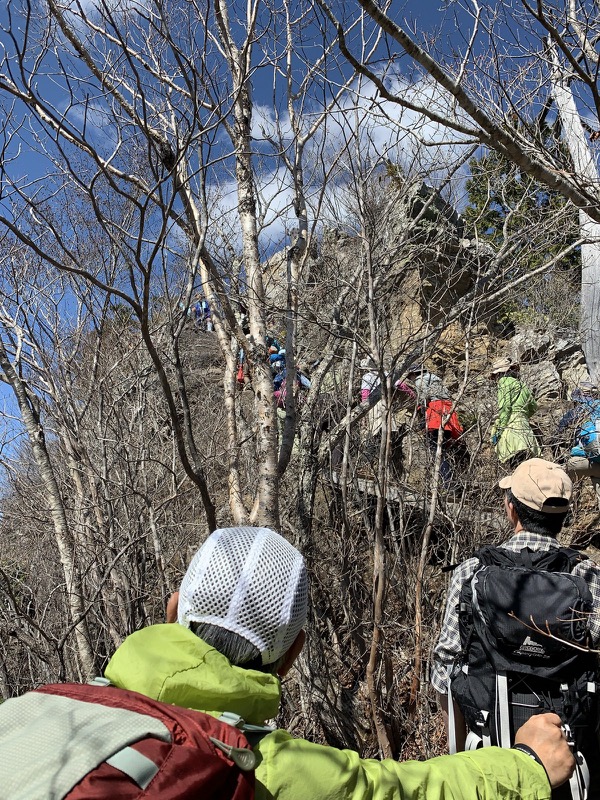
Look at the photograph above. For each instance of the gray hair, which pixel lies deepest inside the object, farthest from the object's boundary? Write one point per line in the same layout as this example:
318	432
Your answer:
238	651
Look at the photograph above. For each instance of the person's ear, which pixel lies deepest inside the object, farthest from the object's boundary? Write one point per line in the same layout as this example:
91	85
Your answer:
292	654
511	513
172	607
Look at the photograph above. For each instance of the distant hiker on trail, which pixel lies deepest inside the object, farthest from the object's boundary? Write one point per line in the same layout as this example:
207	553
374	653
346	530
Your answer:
236	626
277	364
202	315
584	420
511	435
280	387
198	315
515	638
369	379
434	399
243	318
207	315
402	410
186	310
272	343
427	385
403	404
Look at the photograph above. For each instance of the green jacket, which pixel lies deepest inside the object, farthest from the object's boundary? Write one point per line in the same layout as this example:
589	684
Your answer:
170	663
516	405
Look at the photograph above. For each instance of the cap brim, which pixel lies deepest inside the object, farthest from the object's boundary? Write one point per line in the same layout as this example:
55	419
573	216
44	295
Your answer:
505	482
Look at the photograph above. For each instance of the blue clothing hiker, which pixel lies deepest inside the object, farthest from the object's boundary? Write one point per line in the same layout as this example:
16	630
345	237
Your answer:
584	458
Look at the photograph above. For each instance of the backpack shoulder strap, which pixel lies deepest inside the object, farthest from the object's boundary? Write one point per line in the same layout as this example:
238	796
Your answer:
254	733
556	559
494	555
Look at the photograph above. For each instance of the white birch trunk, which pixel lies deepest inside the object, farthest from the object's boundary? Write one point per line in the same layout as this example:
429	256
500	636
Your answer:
64	540
266	506
590	251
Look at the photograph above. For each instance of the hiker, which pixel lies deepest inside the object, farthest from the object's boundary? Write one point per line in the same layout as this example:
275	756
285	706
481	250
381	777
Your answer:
278	370
402	408
434	399
198	315
511	435
202	316
207	316
369	379
280	383
427	384
510	633
272	341
184	309
236	627
403	403
584	418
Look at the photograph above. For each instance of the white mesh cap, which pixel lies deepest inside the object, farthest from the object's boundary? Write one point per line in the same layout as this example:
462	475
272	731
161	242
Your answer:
250	581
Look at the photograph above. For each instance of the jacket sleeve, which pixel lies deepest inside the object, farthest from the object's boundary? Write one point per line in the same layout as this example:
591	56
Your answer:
530	402
294	769
505	404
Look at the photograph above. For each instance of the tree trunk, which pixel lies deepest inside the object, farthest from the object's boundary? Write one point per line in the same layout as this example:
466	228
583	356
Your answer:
64	540
590	251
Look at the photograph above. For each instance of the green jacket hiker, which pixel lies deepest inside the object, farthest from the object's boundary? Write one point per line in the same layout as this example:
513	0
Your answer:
170	663
511	433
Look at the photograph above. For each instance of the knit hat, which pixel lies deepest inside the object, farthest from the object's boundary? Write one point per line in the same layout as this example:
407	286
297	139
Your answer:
538	484
501	365
250	581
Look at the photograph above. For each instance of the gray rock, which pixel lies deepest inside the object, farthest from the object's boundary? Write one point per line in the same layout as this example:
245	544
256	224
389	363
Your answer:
530	346
543	380
572	375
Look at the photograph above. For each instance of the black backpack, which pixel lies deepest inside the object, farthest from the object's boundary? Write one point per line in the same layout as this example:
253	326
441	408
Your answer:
524	631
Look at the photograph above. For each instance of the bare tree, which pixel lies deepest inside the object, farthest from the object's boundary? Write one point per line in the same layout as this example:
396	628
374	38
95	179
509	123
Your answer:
159	176
501	63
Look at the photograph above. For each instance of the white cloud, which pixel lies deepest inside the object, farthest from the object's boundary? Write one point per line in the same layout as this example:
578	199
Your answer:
93	118
363	127
266	125
97	7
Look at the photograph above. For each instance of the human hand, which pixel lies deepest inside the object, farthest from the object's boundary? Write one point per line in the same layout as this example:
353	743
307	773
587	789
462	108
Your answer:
544	735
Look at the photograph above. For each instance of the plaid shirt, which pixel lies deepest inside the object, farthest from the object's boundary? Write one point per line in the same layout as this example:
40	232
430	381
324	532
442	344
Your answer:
448	646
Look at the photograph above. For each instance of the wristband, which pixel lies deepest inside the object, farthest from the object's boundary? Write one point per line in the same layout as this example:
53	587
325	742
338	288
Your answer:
529	751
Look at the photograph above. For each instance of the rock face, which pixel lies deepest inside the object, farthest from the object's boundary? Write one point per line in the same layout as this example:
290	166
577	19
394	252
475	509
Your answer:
544	381
423	268
552	363
530	346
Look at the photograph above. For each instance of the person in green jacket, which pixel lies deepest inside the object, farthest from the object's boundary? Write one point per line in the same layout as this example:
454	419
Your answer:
234	630
512	435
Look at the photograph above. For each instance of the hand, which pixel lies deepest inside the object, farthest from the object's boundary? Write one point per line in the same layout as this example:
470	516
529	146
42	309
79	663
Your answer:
544	734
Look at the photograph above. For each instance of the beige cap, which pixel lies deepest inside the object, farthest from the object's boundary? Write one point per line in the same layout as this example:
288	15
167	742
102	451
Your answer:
537	483
501	365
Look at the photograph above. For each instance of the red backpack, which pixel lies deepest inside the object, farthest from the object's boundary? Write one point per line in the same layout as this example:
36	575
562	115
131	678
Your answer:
91	742
435	413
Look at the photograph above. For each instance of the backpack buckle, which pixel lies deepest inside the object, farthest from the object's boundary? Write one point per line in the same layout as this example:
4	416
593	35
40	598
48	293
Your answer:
232	719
